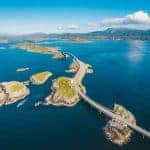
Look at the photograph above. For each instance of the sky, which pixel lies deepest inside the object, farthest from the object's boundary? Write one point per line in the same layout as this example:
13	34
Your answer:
59	16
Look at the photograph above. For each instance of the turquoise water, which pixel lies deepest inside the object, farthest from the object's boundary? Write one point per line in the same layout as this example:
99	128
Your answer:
121	75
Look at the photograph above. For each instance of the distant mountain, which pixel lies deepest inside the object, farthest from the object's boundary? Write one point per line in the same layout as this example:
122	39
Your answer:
113	33
110	33
123	33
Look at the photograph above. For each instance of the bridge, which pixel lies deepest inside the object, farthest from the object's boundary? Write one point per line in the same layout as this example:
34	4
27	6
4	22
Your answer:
100	107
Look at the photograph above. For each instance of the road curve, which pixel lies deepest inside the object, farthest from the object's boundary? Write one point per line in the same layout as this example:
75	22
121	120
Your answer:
102	108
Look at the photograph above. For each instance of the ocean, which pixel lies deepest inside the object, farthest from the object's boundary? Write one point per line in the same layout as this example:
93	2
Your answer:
121	75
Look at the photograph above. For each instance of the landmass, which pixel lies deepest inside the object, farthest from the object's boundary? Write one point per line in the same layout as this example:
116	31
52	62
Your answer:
40	78
11	92
77	40
63	93
116	131
43	50
75	66
109	33
3	40
64	89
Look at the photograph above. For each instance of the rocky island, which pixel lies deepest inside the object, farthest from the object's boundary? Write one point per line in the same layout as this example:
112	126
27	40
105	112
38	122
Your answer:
64	91
40	78
117	131
43	50
11	92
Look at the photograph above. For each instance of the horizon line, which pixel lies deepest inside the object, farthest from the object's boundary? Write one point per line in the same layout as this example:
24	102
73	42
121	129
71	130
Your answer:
48	33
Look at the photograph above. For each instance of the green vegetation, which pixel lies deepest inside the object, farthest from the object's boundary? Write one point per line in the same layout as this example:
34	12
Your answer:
40	78
16	86
120	111
54	51
36	48
13	91
117	131
65	87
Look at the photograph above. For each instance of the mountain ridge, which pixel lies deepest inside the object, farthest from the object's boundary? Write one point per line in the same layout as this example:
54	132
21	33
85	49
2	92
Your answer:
109	33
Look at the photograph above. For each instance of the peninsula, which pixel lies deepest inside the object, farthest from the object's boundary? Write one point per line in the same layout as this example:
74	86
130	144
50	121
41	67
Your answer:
40	78
11	92
54	51
64	92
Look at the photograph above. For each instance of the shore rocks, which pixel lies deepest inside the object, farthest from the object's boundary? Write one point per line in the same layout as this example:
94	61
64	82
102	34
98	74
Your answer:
116	131
11	92
63	93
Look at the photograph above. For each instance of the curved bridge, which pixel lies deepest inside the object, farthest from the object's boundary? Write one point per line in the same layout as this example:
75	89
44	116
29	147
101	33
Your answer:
110	114
100	107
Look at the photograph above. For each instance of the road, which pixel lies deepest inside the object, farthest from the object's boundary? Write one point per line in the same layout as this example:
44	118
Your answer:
79	75
110	114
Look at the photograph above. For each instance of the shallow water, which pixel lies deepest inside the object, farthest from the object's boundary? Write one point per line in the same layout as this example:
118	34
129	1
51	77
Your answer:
121	75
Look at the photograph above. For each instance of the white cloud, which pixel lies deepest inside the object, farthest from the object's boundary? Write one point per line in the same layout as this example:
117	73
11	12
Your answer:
69	28
73	27
60	28
139	17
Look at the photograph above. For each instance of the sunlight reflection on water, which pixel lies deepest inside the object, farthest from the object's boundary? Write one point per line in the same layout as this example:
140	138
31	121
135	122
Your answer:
136	51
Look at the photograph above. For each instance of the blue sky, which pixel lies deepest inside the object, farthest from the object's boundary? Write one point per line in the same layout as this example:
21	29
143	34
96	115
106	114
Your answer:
57	16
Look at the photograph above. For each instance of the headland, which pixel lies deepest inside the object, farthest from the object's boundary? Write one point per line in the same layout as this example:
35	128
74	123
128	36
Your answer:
54	51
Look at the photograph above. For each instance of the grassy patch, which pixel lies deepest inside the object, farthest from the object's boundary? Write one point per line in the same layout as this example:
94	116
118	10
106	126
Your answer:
66	87
41	76
37	48
16	86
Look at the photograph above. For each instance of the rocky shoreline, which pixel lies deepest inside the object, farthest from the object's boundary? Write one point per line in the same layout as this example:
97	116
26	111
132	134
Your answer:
40	78
116	131
10	93
63	86
54	51
59	98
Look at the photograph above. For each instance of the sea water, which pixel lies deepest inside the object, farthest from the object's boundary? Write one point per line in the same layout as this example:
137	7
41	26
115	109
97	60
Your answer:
121	75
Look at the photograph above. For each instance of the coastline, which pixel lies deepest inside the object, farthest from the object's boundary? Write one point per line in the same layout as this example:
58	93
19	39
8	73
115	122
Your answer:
10	93
58	97
54	51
